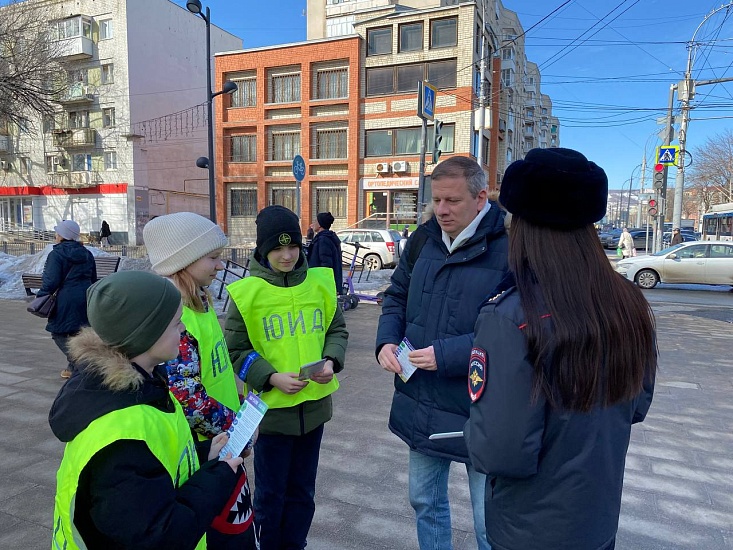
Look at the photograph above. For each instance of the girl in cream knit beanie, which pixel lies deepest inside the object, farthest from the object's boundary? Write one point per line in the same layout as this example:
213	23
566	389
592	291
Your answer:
186	248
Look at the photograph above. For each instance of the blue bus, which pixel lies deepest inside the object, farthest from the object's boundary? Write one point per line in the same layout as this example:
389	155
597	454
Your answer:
717	225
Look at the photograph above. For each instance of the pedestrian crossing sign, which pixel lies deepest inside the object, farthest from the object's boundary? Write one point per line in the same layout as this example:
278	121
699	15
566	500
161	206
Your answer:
667	154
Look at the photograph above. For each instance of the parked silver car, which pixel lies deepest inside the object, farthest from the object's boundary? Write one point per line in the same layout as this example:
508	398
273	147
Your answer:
696	262
380	247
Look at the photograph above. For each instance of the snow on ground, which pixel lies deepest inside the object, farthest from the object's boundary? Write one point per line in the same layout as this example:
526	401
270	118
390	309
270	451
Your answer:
12	267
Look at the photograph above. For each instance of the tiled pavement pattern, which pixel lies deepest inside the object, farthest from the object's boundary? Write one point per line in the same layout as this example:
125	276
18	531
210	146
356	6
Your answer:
679	479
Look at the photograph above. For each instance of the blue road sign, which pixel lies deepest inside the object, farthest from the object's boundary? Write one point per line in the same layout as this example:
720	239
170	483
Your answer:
427	101
299	168
667	154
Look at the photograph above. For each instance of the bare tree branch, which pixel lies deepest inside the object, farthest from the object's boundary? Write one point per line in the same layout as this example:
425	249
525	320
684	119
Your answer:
712	173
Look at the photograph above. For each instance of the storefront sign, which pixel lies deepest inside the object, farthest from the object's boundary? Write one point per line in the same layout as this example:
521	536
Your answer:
370	184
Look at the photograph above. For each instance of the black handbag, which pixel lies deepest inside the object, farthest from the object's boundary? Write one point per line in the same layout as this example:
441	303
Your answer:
43	306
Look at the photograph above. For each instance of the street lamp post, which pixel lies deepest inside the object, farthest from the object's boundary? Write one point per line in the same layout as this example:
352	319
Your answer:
194	6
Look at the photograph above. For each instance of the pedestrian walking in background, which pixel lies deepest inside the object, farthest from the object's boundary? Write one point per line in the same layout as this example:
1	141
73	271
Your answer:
406	232
462	256
284	316
186	248
676	236
104	234
70	270
310	234
325	250
563	363
130	475
626	243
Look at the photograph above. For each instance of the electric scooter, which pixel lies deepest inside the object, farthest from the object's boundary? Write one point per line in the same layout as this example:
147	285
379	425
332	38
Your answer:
350	299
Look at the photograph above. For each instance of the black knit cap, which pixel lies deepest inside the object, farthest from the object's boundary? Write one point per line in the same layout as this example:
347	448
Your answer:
277	226
325	220
555	187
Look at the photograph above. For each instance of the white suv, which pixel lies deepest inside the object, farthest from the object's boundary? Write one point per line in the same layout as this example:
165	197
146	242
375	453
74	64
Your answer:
380	247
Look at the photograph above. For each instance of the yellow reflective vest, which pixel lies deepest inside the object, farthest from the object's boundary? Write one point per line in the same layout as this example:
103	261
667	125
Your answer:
287	326
167	435
217	374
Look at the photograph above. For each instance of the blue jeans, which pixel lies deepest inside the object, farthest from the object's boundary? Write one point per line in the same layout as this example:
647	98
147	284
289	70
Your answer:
429	498
285	488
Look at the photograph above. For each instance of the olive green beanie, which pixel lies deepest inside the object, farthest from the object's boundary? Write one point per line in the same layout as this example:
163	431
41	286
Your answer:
130	310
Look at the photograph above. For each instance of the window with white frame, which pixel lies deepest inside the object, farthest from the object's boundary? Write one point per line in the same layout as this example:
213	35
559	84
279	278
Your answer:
507	53
71	28
108	73
332	83
110	160
106	29
507	78
284	87
331	143
78	119
284	144
108	117
243	148
246	94
25	166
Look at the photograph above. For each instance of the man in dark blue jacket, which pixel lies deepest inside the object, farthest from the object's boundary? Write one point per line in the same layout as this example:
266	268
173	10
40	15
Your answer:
325	250
433	301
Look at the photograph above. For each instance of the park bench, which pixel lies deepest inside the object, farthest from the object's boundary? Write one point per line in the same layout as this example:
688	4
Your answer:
106	265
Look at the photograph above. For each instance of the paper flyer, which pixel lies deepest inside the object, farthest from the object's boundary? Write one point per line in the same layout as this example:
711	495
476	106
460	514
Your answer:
244	425
401	353
309	369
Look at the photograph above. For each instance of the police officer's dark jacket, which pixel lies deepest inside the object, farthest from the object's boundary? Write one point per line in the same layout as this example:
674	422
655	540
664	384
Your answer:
437	304
555	477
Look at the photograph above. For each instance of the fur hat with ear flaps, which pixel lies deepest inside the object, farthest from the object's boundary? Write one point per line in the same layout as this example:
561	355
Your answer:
556	187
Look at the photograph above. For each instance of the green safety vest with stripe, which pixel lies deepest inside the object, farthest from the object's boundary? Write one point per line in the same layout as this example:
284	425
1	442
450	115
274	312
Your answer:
217	374
287	326
167	435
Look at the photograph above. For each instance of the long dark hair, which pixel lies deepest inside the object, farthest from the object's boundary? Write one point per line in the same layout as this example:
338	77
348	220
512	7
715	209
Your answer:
601	343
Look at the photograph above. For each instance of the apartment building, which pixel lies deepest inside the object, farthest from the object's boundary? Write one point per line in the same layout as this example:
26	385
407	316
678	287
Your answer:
292	99
129	125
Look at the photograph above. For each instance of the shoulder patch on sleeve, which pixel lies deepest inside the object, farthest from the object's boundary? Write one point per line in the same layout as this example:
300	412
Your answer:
477	374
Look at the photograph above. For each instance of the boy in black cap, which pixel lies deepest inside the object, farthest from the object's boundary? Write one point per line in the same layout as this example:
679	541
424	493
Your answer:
286	316
130	471
325	250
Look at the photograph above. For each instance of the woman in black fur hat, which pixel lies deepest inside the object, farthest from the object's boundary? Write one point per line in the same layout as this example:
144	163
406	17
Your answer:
554	392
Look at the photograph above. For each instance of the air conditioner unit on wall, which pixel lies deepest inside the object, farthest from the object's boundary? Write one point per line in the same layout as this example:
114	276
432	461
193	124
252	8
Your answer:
399	166
382	168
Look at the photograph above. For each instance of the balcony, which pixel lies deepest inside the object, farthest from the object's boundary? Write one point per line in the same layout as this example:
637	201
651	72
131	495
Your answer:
75	48
69	138
78	94
72	179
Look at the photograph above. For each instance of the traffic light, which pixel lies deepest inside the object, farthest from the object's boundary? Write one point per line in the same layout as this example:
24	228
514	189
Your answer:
660	177
653	211
437	138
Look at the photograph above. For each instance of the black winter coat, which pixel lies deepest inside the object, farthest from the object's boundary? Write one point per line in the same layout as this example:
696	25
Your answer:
69	266
555	477
437	305
325	251
126	498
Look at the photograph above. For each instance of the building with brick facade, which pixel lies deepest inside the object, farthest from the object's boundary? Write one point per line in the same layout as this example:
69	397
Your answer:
123	142
300	98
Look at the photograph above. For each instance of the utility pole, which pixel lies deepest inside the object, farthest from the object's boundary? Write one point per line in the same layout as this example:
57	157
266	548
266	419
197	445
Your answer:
686	92
638	210
482	93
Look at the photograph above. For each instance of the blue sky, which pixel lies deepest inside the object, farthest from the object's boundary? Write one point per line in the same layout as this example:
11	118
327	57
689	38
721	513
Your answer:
608	91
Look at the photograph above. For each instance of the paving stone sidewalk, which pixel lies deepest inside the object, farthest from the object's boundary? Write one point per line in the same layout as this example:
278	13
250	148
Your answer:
679	477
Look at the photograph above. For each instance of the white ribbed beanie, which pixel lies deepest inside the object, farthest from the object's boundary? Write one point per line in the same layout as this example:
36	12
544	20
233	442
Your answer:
175	241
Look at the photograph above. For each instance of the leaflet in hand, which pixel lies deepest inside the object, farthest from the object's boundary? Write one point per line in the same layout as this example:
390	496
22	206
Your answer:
401	353
244	425
309	369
